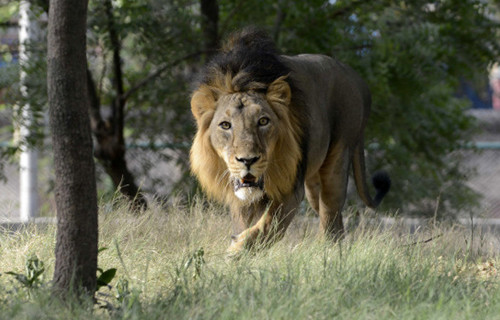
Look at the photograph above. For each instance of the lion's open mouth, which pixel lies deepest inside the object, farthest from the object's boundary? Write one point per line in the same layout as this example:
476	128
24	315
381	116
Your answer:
249	181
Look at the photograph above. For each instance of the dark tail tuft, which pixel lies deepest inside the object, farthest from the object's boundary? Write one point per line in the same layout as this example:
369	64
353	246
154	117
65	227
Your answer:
382	183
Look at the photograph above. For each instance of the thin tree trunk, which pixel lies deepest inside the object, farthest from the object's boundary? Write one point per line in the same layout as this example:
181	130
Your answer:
76	195
110	149
110	143
210	25
278	21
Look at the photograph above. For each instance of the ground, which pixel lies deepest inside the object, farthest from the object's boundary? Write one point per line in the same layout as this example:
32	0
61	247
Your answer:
171	264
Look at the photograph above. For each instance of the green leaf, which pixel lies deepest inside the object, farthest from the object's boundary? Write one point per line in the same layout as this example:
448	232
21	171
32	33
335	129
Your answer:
106	277
101	249
21	278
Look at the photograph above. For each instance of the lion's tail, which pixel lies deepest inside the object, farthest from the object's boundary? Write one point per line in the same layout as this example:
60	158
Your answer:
381	180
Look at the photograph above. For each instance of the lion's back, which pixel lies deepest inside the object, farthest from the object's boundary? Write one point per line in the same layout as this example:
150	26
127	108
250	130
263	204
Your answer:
335	100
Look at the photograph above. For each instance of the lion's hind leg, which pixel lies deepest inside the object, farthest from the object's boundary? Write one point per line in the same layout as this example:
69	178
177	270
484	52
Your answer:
334	177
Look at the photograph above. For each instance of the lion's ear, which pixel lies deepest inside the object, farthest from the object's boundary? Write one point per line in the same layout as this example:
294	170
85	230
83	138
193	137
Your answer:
279	91
201	102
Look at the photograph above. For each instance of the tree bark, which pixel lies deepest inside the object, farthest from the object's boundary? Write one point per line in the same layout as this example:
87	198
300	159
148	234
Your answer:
76	195
110	143
278	21
210	25
109	149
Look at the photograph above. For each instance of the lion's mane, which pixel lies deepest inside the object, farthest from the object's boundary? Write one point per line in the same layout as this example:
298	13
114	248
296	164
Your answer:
247	62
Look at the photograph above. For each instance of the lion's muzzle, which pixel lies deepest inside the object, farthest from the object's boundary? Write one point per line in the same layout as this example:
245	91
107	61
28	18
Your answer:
249	188
248	161
249	181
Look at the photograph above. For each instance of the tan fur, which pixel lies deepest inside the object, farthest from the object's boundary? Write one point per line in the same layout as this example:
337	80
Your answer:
210	168
311	134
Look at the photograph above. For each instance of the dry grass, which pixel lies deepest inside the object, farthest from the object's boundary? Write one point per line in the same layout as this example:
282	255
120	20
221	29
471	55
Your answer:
372	274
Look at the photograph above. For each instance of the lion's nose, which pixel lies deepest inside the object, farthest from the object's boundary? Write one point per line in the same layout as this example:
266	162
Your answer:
248	161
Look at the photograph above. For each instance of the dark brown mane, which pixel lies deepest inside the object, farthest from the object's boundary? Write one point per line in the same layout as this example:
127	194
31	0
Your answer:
249	59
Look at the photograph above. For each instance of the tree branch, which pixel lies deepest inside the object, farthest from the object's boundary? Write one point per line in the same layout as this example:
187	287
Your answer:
157	73
9	24
109	152
347	9
278	21
118	103
110	146
354	48
225	23
94	103
210	25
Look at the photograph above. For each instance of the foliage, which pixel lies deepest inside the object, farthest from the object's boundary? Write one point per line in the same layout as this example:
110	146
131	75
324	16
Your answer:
34	268
197	260
33	271
104	276
158	39
12	102
413	55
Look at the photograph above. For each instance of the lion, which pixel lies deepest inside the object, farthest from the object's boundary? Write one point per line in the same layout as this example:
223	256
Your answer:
271	128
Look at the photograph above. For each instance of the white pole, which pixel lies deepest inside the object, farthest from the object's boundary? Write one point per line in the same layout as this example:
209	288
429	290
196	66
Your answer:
28	161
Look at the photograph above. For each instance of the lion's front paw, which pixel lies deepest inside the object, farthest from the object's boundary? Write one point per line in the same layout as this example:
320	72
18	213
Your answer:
238	245
235	250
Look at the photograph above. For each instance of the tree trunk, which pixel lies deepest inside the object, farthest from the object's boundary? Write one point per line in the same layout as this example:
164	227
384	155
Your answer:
76	195
110	143
278	20
210	25
109	149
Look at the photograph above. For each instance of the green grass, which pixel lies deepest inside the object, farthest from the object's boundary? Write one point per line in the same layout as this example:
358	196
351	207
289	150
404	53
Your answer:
372	274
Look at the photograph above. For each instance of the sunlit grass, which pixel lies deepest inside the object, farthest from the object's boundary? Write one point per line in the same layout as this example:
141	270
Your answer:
172	265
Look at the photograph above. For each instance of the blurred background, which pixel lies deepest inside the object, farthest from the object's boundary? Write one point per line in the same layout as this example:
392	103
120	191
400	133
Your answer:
431	66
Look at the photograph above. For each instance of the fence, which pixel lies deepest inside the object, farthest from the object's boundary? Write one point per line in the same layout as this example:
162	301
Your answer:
165	167
486	181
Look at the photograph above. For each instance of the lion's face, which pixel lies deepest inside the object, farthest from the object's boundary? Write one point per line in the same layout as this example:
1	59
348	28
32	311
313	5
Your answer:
247	143
243	133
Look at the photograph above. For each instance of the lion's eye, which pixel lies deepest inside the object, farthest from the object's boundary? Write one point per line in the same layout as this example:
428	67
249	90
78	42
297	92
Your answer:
263	121
225	125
